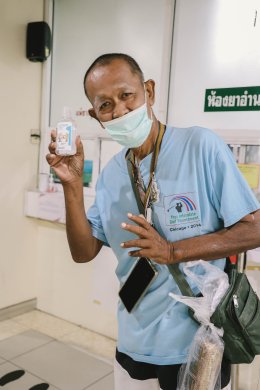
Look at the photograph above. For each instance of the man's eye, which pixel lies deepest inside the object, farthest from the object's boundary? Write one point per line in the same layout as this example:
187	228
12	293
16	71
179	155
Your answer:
126	94
104	106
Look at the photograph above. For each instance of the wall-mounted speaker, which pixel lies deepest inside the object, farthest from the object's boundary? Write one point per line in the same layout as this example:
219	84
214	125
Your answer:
38	41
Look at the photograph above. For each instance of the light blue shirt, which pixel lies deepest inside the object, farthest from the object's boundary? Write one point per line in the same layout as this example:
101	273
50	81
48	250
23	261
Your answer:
201	191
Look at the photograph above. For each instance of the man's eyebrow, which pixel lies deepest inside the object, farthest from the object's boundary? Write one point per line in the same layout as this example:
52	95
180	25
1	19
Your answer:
122	87
99	98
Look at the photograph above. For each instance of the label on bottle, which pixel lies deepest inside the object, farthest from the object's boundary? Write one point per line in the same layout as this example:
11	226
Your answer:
64	137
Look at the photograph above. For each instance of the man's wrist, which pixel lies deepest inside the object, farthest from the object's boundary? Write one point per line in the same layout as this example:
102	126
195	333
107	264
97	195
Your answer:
76	184
73	191
174	255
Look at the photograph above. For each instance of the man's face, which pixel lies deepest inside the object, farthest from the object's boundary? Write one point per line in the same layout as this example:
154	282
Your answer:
114	90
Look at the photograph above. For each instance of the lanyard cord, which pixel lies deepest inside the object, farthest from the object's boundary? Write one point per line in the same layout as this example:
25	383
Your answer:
154	163
131	170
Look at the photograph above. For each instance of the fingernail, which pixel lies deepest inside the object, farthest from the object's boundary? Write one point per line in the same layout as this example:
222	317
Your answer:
122	244
129	215
123	225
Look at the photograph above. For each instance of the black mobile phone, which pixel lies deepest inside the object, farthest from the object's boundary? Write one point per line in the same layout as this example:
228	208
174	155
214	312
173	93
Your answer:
135	286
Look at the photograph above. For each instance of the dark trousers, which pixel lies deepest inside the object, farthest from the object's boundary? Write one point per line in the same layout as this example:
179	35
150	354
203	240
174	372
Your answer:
167	375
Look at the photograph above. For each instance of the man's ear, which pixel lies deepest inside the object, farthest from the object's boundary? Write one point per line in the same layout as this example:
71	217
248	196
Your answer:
150	88
92	113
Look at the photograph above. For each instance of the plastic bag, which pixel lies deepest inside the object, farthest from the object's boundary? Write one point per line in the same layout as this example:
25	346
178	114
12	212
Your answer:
202	370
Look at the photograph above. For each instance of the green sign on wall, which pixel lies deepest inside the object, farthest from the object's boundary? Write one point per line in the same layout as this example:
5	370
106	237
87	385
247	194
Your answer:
232	99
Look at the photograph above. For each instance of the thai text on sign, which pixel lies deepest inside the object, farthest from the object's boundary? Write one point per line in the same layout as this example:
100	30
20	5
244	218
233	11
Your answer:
232	99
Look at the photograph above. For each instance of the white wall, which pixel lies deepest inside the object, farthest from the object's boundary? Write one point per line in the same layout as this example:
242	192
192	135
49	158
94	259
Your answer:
76	292
142	29
216	45
20	91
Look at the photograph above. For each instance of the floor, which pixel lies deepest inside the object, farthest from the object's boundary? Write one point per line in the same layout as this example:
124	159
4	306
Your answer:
39	351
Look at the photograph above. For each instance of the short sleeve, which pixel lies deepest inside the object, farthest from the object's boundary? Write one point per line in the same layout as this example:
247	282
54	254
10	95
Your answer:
232	196
93	216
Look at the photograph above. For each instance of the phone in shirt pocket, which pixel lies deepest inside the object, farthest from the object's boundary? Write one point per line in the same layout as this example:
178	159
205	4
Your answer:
137	283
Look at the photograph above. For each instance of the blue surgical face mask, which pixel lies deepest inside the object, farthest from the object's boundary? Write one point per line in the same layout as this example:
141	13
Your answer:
131	129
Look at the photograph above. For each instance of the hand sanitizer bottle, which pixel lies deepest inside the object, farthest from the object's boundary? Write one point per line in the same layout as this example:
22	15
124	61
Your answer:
66	134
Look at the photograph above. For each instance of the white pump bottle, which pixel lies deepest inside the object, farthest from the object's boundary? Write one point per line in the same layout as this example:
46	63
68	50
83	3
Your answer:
66	134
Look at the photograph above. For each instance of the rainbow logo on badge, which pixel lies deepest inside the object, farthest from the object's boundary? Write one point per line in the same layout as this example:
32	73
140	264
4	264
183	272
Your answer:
180	201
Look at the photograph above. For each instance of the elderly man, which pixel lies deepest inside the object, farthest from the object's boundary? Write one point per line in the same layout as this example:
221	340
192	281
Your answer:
196	206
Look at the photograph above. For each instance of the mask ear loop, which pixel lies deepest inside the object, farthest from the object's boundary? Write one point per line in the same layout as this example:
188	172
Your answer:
145	100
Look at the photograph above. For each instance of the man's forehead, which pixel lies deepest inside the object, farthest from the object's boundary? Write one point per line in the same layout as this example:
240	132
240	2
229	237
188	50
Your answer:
115	75
112	69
